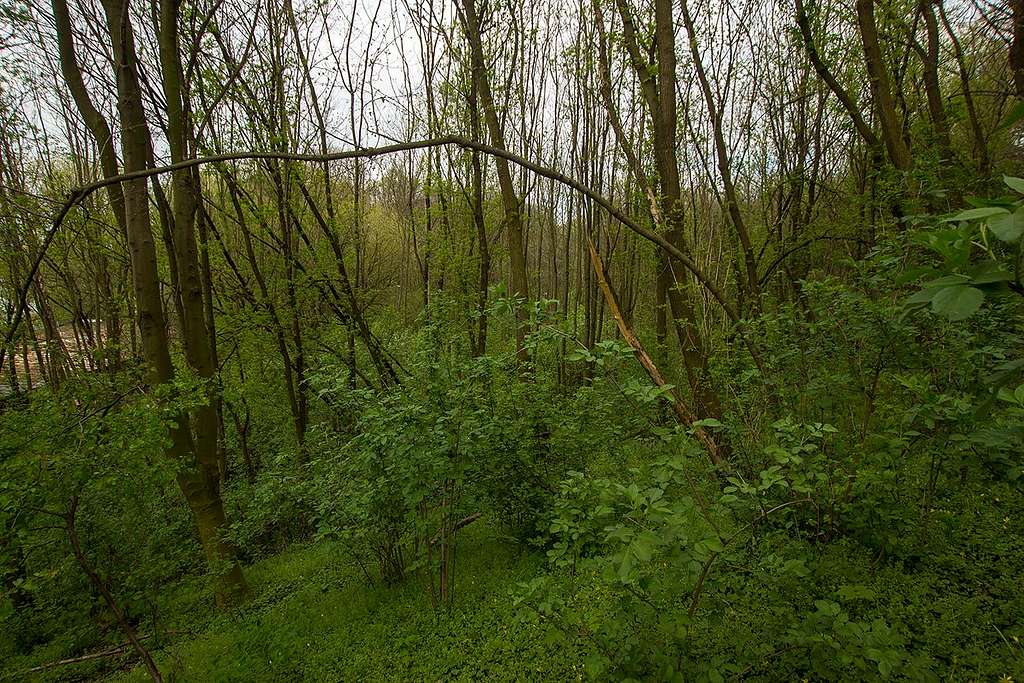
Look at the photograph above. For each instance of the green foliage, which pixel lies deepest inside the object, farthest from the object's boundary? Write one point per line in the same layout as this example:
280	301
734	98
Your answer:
838	647
867	525
131	534
964	282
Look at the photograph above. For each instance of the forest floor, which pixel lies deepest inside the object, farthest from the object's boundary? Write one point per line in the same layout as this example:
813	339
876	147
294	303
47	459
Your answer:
312	617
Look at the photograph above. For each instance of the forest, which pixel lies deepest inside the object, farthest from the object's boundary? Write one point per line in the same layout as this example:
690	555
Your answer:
429	340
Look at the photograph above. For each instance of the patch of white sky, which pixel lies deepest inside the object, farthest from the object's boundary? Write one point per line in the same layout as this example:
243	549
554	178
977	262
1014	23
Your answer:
371	60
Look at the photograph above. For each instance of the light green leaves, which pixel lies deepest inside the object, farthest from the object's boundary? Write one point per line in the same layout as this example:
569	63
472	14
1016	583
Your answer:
930	289
958	302
952	243
603	353
1005	222
989	272
626	567
645	392
975	214
1015	184
1015	396
960	293
797	567
1007	226
958	297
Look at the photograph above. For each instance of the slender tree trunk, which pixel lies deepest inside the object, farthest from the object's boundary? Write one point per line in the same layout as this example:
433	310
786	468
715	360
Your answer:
980	141
933	89
660	95
666	35
881	91
94	120
865	132
1017	46
484	272
104	590
509	200
199	476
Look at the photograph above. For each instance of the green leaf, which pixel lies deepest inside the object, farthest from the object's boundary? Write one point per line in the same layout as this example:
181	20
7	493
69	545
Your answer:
1016	114
642	549
594	665
933	287
626	567
975	214
947	280
988	272
924	296
1015	184
913	274
855	592
796	567
714	544
1007	227
958	302
884	668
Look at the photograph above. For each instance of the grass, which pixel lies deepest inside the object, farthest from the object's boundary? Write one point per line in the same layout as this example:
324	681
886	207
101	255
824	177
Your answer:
954	596
312	617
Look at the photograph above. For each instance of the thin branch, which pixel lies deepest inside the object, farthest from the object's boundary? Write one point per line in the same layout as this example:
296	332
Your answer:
79	194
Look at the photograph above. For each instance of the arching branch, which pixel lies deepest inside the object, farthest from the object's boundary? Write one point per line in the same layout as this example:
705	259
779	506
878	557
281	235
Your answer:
79	194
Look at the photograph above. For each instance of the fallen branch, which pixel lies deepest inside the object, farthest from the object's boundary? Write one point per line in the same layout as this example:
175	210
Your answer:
118	650
109	652
682	411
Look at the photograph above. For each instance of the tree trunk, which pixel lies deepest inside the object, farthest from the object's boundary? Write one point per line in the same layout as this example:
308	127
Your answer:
881	91
199	477
104	590
660	95
667	35
1017	47
865	132
519	286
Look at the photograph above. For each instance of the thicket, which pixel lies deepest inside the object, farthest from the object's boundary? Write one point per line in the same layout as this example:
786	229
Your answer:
673	342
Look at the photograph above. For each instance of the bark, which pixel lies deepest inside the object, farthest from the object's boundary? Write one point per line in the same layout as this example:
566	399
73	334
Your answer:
684	414
282	176
94	120
104	590
211	332
199	476
242	427
1017	47
980	142
933	89
484	272
267	303
881	91
660	96
519	285
865	132
184	203
721	152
